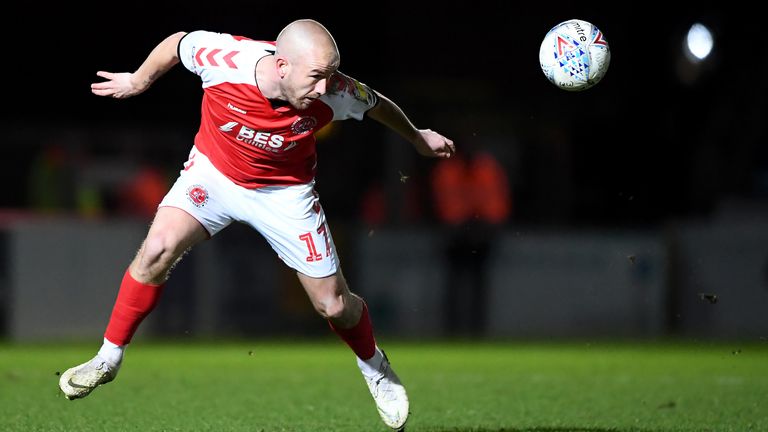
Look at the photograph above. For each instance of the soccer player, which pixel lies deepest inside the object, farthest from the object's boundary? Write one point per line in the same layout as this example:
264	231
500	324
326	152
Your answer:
254	161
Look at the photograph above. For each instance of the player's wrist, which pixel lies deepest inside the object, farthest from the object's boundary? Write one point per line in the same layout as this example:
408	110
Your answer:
139	82
414	137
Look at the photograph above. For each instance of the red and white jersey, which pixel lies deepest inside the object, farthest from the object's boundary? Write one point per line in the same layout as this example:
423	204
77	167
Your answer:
245	138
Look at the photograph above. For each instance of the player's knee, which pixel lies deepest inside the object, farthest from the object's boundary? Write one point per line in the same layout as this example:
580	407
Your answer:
331	307
160	252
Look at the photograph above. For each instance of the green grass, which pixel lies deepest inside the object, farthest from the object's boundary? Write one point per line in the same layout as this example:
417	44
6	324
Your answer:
300	386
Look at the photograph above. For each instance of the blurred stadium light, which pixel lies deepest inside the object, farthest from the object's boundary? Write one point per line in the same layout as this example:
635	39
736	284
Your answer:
698	42
697	51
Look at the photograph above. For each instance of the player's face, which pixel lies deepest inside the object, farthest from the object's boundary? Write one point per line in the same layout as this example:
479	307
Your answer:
307	81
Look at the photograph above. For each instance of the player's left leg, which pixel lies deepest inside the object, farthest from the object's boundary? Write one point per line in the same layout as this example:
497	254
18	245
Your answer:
348	316
293	223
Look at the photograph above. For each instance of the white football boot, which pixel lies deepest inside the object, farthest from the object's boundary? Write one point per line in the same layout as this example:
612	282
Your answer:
79	381
390	396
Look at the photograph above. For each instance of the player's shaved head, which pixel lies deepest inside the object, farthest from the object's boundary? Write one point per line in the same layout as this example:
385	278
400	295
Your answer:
305	59
309	40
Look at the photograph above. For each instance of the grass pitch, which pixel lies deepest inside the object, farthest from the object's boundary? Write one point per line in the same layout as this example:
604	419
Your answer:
483	387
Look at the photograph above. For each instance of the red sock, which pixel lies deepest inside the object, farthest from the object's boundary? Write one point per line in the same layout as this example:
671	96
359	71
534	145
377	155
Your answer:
360	336
135	301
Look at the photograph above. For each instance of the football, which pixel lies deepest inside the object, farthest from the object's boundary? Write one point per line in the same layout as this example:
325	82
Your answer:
574	55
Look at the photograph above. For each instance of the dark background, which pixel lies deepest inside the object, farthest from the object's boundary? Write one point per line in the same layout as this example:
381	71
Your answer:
640	148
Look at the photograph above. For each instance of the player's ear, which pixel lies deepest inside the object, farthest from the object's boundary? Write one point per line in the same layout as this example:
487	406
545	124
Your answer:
281	63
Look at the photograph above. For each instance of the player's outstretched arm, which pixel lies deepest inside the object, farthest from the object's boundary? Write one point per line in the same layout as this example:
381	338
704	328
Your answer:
125	84
426	141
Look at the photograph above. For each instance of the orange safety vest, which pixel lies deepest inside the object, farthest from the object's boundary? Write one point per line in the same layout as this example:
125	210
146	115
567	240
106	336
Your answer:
465	189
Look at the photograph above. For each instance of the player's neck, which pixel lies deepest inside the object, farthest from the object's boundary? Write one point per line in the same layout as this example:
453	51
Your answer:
266	77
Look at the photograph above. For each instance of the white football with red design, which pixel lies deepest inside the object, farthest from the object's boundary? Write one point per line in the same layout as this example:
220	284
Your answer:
574	55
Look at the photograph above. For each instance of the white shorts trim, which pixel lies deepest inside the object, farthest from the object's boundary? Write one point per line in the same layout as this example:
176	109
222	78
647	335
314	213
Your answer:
290	218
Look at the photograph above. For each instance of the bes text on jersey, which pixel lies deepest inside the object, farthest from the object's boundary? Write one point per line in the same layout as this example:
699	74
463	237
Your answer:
263	140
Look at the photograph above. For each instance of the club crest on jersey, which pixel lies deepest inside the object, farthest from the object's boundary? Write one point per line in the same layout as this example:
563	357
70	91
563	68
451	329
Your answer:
303	125
198	195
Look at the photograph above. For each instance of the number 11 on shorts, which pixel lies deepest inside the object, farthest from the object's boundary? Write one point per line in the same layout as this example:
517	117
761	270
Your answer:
309	240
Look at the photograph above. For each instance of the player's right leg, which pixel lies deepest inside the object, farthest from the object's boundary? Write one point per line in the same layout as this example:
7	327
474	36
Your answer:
194	209
172	233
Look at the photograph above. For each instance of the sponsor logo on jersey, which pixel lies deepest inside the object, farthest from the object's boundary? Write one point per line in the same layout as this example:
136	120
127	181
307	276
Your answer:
236	109
269	141
263	140
228	127
198	195
303	125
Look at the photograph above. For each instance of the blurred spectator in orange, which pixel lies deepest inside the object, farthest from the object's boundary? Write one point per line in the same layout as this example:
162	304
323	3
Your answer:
472	199
141	195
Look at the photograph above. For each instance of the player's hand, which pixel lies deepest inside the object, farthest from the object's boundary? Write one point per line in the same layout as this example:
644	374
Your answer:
118	85
434	145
